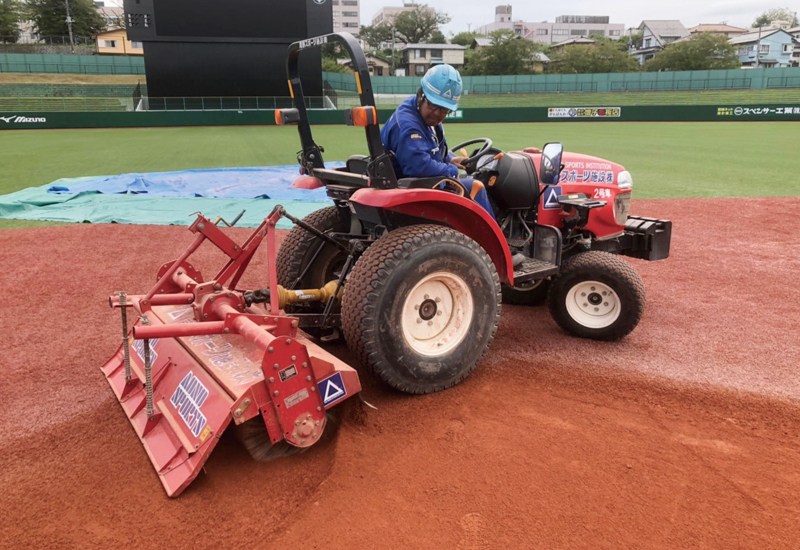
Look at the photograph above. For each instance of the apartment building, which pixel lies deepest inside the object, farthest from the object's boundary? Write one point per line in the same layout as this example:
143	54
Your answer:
347	16
387	14
564	28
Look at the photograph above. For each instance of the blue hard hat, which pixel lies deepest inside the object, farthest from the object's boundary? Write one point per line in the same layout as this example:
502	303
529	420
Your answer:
442	86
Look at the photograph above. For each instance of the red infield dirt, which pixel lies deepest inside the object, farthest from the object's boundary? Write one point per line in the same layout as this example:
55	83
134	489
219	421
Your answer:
682	435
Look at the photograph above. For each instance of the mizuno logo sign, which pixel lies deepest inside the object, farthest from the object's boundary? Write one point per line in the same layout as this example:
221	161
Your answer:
21	119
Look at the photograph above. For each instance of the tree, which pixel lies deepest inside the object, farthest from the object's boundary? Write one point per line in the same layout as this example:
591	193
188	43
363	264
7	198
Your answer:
464	38
330	65
635	40
10	15
604	56
437	37
703	51
50	17
375	35
776	14
417	26
506	55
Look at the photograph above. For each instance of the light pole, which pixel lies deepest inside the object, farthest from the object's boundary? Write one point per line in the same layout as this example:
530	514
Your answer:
69	27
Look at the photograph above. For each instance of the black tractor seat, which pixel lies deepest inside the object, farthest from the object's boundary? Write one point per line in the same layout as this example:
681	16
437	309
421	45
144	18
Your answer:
450	185
341	177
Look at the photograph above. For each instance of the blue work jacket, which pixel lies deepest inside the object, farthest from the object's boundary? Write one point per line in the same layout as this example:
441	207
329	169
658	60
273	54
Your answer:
419	150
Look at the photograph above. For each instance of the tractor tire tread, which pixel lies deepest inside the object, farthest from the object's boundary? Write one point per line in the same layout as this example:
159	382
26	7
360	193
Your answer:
366	281
289	261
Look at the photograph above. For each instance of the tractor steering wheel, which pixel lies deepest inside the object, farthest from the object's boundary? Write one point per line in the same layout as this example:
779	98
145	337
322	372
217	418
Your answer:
471	162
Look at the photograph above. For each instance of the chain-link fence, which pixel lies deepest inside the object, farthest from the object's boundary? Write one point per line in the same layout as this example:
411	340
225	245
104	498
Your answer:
80	45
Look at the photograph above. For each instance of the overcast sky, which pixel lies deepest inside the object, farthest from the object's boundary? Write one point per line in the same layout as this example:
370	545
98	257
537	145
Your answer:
471	14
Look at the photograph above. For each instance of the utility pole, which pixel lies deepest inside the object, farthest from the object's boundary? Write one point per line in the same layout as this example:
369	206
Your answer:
758	49
394	51
69	27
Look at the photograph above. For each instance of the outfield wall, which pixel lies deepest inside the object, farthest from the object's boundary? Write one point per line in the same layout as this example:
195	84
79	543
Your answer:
694	113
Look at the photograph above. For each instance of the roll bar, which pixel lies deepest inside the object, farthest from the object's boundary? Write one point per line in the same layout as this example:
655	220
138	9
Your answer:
380	168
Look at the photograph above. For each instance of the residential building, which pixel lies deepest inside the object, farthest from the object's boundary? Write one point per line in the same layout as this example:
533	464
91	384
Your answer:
27	33
564	27
558	46
538	61
386	15
480	42
656	35
721	28
766	48
114	16
775	24
418	58
378	66
347	16
795	32
115	42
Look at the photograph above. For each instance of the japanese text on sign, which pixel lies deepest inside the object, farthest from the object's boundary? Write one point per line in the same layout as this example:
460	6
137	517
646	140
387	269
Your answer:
583	112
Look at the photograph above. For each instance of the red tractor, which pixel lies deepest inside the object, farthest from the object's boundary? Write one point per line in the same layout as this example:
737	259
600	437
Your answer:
414	277
422	272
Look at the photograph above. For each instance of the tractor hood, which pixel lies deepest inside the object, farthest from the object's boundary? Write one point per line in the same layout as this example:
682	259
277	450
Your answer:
579	168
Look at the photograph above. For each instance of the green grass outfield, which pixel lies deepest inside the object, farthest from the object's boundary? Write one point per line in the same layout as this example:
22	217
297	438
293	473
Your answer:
667	160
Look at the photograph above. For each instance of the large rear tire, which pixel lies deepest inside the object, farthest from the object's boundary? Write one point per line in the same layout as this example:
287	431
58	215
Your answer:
421	307
298	249
597	295
297	252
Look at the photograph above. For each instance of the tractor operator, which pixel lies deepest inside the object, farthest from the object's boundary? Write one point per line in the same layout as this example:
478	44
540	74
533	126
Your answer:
415	137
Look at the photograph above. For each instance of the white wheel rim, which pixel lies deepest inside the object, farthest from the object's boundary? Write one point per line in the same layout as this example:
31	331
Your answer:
527	288
437	314
593	304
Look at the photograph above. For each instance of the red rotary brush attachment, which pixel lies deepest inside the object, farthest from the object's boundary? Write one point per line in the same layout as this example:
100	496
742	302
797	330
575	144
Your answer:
198	358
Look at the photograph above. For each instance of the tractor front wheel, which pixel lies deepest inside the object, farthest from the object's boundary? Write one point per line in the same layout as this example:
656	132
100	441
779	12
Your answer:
421	307
597	295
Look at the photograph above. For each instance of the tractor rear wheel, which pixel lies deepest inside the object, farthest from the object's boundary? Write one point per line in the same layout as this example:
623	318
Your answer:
299	247
421	307
298	251
597	295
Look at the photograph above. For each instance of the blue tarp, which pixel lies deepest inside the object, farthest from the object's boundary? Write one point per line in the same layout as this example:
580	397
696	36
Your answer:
168	198
267	182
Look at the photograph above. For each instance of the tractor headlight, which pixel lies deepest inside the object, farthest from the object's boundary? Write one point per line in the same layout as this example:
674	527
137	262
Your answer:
625	180
622	207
